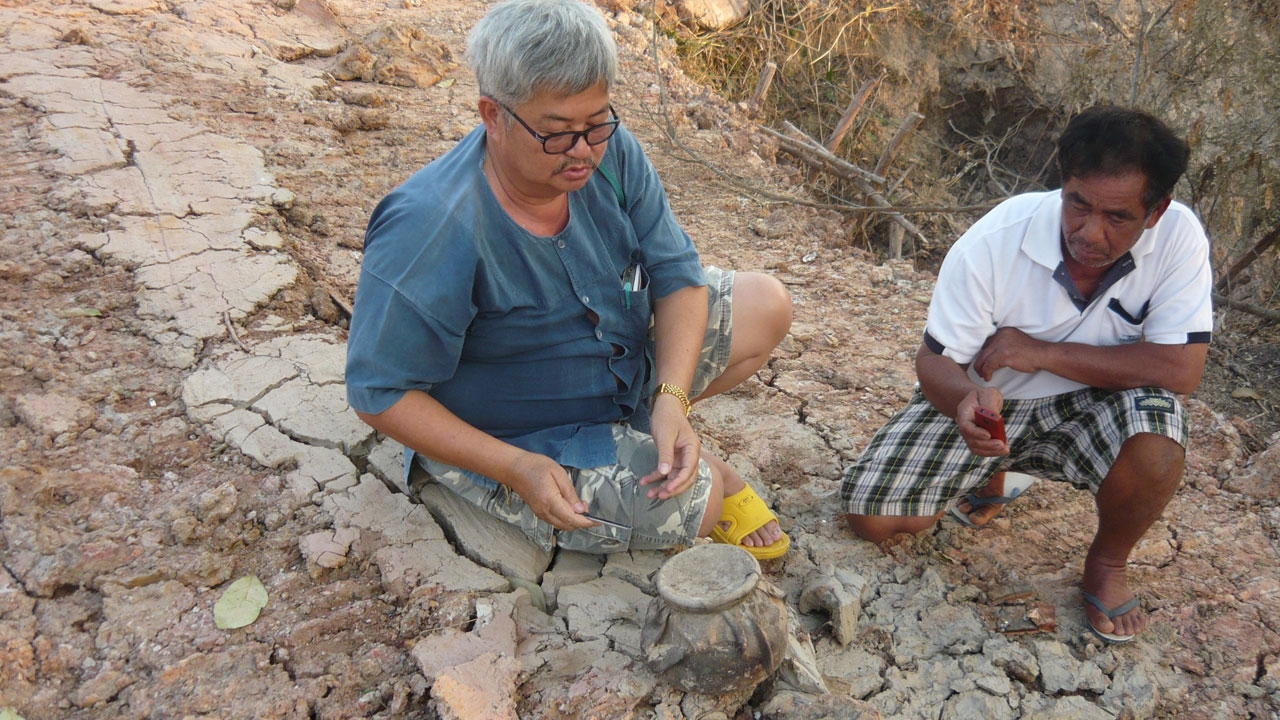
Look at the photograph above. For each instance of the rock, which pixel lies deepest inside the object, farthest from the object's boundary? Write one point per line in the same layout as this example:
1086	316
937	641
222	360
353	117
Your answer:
919	691
481	688
712	15
608	685
569	568
1131	691
1260	478
851	671
319	471
799	670
393	55
591	608
386	460
415	550
216	505
484	538
52	415
327	549
314	414
1061	672
975	704
101	688
791	705
636	567
492	637
1072	707
771	433
943	628
843	607
1014	658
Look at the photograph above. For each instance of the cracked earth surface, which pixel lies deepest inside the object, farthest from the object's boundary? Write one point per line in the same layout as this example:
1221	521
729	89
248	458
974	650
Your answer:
183	189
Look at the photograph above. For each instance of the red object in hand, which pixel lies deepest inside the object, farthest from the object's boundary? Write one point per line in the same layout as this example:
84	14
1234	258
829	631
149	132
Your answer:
991	422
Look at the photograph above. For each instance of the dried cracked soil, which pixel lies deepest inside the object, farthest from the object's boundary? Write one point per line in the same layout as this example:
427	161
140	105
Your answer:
122	518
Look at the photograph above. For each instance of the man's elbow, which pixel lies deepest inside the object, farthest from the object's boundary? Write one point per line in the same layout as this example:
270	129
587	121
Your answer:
1182	381
370	419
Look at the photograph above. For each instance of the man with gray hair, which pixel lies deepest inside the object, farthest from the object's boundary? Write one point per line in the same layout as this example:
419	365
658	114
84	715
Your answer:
533	324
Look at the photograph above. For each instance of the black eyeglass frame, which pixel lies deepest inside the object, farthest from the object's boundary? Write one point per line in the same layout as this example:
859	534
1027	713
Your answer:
574	134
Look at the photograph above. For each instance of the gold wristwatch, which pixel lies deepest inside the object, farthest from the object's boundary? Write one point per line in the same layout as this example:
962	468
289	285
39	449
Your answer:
676	390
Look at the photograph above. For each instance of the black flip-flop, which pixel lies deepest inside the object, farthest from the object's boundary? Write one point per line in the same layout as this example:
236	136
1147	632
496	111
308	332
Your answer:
1112	614
1015	485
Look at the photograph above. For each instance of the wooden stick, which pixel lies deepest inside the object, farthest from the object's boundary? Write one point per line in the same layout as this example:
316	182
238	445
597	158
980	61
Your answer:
762	85
1247	259
857	178
891	150
895	242
846	120
812	152
1266	313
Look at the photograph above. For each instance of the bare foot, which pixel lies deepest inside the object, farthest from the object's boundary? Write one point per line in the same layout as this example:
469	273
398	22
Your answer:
764	537
1110	586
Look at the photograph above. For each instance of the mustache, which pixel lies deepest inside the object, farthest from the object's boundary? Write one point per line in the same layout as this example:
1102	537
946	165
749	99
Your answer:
571	164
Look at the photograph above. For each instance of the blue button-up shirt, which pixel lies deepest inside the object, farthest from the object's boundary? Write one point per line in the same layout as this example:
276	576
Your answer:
457	300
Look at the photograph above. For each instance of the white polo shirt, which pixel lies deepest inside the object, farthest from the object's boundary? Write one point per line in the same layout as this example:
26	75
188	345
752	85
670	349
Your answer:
1008	271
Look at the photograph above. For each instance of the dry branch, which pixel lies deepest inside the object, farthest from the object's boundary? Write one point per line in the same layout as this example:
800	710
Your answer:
1265	313
1247	259
808	148
846	120
851	112
762	86
813	153
891	150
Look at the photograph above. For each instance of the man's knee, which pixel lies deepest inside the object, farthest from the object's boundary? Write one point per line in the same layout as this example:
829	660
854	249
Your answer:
766	300
878	528
1151	456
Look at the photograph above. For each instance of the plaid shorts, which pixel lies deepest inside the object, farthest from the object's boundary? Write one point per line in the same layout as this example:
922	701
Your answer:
613	492
918	464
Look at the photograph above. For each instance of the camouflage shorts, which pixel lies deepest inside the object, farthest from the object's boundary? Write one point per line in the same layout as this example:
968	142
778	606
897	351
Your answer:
613	492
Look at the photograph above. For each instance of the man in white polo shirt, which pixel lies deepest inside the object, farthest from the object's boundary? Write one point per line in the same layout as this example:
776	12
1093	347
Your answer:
1075	315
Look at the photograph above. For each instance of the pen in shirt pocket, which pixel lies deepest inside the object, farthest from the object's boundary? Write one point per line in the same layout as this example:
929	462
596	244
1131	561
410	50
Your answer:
630	282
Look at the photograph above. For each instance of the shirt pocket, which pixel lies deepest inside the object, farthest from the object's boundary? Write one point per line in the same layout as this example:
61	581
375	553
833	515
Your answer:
635	286
1127	325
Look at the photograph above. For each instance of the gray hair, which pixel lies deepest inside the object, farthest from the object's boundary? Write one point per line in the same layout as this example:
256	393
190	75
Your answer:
522	47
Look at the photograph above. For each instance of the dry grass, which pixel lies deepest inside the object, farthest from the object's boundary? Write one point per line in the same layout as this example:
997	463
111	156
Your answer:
1207	65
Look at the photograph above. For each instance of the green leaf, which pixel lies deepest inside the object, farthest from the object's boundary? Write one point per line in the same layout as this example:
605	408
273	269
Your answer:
9	714
240	603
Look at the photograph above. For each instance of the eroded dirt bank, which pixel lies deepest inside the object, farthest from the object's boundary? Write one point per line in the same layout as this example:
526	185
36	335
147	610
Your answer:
184	191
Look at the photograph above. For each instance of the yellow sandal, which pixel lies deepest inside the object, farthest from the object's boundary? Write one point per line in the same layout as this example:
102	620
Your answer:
744	513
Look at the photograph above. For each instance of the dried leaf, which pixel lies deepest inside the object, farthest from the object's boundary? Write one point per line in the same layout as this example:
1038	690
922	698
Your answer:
73	313
1245	393
447	82
240	603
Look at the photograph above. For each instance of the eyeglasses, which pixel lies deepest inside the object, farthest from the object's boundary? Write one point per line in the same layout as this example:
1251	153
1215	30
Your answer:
562	142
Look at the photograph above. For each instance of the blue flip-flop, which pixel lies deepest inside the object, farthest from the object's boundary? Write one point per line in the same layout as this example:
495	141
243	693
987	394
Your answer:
1014	485
1112	614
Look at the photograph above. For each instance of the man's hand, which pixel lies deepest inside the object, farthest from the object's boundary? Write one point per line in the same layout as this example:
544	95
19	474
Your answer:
1011	348
678	449
546	488
979	440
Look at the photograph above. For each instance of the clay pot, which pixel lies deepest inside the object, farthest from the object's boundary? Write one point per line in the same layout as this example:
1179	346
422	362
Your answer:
716	625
